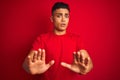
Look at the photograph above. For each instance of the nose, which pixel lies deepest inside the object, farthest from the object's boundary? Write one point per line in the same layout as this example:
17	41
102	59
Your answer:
63	19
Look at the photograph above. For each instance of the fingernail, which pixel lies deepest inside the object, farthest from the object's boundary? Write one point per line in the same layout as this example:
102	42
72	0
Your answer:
43	50
52	61
39	49
74	52
35	52
78	52
62	63
28	56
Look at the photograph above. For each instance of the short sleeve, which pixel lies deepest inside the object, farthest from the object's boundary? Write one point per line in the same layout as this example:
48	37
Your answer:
38	43
80	44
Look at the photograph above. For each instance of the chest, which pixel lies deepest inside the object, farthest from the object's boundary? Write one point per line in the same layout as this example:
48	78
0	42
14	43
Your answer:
60	49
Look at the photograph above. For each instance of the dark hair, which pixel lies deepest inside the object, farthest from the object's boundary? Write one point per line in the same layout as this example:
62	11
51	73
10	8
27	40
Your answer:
58	5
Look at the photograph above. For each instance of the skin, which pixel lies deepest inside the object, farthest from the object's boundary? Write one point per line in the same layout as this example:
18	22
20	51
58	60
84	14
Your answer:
60	19
35	61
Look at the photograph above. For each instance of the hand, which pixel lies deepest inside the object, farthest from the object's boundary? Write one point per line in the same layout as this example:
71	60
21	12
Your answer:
36	64
81	64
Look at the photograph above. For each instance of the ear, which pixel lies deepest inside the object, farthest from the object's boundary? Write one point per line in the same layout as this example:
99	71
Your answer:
51	18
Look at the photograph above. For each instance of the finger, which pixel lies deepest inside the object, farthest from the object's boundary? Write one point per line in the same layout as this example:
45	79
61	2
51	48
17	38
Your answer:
74	56
50	64
39	54
87	60
35	56
81	57
29	60
43	55
78	57
66	65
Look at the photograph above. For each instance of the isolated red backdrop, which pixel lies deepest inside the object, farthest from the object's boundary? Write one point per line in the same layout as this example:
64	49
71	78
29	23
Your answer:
97	21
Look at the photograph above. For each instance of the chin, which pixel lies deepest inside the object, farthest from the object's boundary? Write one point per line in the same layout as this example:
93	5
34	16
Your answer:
62	29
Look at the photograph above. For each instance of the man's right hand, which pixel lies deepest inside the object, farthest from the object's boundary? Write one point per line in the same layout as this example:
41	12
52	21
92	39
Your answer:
35	63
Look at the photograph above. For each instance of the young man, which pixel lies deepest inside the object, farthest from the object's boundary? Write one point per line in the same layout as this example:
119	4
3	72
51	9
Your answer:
57	55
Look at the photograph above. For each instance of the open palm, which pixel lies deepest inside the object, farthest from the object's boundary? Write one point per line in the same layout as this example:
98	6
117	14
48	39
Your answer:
36	64
80	64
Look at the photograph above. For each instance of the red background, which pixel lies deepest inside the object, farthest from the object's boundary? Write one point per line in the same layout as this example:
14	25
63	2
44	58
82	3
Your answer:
97	21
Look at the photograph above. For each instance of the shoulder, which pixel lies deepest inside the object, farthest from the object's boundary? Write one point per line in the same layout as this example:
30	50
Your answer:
44	35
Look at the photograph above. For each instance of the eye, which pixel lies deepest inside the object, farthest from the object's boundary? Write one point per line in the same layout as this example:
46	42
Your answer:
67	16
58	16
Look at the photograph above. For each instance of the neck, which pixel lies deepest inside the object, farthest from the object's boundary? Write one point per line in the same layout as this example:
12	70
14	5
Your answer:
59	32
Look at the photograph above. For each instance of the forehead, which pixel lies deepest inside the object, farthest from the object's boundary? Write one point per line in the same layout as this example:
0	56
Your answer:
61	10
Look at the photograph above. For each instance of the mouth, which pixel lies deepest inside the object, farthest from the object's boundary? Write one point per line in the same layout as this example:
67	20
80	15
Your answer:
63	25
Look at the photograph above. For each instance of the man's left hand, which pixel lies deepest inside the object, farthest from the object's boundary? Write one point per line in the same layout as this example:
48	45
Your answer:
82	62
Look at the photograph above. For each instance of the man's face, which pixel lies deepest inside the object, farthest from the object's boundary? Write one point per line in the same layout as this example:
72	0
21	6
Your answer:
60	19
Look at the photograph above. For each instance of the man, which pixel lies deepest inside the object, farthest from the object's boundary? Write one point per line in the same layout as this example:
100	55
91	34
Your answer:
57	55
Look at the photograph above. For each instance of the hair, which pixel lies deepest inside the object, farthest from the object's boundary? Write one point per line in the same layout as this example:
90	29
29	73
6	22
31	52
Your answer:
58	5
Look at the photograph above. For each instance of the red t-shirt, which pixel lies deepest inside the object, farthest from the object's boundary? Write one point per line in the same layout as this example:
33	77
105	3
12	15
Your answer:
59	48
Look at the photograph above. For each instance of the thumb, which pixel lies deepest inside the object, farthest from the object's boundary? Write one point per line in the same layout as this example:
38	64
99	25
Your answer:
66	65
50	63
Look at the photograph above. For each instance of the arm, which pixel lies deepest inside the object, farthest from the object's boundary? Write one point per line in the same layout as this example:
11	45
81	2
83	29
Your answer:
34	63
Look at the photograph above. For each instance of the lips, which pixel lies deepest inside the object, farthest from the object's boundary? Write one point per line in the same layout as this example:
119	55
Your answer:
63	24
